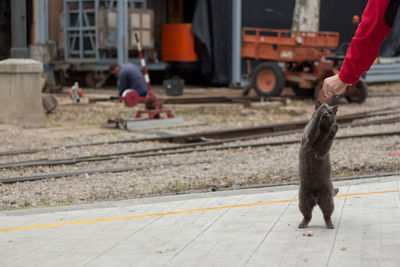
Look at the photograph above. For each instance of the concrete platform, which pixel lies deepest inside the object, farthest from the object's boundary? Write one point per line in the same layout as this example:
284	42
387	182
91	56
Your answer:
256	227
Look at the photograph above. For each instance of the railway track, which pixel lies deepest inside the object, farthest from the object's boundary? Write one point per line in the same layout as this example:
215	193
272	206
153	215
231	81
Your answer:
228	135
233	100
250	99
177	149
384	95
195	142
107	170
211	99
137	154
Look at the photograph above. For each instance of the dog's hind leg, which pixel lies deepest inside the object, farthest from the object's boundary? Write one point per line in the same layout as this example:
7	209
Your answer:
325	202
306	205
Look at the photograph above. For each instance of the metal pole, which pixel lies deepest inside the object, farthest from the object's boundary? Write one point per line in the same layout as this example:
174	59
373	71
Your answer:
19	47
143	63
126	31
80	18
96	8
236	41
43	21
66	32
122	32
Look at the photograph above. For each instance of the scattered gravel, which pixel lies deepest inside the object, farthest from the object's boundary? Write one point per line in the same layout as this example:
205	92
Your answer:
210	170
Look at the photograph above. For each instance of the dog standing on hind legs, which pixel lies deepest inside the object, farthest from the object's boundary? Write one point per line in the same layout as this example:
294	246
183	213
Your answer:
314	165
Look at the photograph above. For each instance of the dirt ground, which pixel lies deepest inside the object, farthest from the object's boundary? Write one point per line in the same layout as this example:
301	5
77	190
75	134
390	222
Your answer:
70	121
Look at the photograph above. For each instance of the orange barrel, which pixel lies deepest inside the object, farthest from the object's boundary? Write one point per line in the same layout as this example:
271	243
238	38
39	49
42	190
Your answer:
177	43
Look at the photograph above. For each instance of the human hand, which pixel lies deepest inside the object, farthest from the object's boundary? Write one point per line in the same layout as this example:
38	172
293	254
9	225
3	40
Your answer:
332	86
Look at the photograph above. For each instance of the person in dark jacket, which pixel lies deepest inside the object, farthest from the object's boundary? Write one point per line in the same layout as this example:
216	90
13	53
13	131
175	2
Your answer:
129	77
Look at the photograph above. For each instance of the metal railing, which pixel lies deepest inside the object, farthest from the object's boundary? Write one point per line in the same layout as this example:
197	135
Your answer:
81	29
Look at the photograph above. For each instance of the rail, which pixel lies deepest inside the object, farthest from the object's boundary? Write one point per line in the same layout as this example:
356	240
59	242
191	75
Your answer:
274	143
227	135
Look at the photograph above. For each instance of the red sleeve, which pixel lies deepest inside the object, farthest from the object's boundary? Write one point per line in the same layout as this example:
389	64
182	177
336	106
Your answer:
364	47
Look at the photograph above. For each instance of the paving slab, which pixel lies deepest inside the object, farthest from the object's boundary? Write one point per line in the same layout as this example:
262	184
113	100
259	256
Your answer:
253	227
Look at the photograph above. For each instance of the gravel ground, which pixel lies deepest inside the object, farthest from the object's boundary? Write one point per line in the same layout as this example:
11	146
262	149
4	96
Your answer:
211	170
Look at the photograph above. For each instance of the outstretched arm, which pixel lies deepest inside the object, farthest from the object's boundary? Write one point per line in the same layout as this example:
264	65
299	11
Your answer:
376	22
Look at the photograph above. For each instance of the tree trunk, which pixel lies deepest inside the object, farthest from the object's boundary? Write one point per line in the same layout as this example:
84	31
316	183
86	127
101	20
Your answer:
306	15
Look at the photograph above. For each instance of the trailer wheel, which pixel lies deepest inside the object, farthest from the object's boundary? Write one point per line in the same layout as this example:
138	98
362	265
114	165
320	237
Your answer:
302	91
360	93
318	91
268	79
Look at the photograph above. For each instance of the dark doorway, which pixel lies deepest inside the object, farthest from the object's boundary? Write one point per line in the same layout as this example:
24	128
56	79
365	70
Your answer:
337	16
267	14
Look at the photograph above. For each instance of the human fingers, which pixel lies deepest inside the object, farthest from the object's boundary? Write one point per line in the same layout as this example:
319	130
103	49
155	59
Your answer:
336	86
323	95
329	86
326	90
340	89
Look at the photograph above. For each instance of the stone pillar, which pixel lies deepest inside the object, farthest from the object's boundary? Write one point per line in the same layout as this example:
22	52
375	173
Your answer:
20	93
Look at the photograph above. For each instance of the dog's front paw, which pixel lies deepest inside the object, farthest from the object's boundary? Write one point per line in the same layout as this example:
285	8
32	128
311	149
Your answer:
322	109
334	129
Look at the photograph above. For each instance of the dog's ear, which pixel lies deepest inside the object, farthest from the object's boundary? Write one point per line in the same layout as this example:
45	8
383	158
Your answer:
334	109
318	103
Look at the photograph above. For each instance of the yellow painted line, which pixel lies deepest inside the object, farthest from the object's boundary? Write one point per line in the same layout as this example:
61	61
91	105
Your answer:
369	193
177	212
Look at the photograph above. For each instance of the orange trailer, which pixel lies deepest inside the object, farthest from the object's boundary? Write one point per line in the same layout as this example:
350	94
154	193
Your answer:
305	60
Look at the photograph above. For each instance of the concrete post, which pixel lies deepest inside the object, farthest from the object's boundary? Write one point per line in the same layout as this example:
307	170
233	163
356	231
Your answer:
20	90
236	42
306	15
19	47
